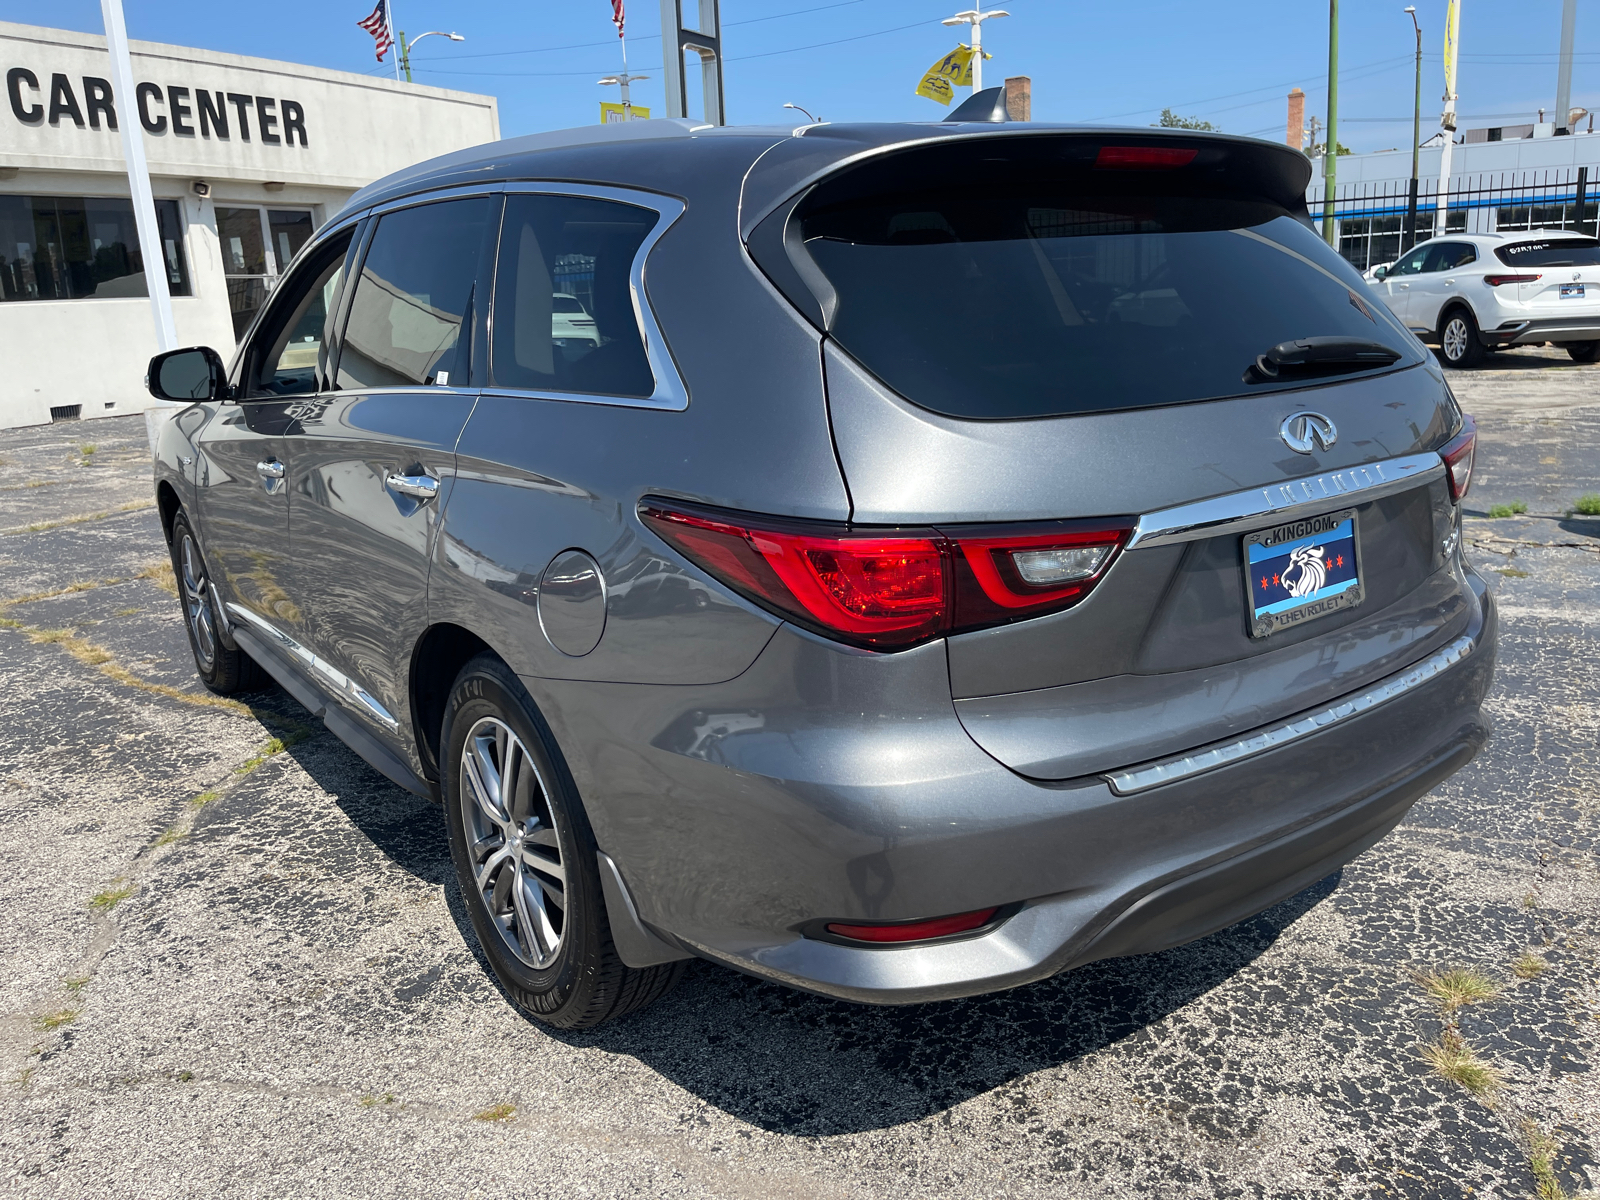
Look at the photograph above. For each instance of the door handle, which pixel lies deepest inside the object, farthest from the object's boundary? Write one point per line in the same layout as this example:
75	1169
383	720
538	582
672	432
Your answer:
270	469
418	487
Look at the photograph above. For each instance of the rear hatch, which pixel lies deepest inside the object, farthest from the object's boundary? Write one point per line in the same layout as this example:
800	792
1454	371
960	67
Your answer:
1071	325
1567	271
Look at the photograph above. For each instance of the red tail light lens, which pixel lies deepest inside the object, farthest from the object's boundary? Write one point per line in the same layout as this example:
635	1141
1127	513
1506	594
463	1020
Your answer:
1144	158
1458	454
915	931
887	589
1497	280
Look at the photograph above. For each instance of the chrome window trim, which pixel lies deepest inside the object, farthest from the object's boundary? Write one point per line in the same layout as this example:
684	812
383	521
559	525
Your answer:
670	394
347	690
1140	779
1240	512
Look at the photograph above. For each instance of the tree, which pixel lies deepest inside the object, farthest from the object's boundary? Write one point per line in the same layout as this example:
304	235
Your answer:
1171	120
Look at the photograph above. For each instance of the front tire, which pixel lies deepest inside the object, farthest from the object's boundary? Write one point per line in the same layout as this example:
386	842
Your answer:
526	859
1584	352
1458	340
223	670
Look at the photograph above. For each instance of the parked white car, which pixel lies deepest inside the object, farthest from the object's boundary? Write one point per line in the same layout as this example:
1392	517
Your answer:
570	322
1469	293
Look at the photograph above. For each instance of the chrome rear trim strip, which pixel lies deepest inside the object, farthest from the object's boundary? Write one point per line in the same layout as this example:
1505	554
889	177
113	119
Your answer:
1240	512
1139	779
347	690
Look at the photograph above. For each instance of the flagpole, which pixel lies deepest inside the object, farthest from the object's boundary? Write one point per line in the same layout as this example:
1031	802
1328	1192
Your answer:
388	10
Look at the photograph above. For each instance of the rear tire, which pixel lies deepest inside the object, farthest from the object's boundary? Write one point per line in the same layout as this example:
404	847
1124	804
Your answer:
1458	340
1584	352
526	860
223	670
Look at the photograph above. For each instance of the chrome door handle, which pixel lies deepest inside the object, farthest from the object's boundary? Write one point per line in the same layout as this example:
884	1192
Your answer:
418	487
270	469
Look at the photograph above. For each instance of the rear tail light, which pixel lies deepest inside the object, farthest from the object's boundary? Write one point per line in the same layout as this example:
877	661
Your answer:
914	931
1497	280
1457	454
888	589
1144	158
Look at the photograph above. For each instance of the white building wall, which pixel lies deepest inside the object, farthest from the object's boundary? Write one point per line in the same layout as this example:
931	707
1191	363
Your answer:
93	352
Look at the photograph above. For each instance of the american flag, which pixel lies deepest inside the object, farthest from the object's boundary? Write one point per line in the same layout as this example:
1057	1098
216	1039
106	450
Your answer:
616	15
378	26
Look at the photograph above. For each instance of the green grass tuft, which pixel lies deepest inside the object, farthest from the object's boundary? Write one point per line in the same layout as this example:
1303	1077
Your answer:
1542	1151
497	1112
1588	505
1452	1058
56	1020
1528	965
104	902
1511	572
1456	986
1513	509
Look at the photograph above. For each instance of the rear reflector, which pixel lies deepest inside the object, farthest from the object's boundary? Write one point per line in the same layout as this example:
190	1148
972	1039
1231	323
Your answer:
1458	454
1144	158
915	931
888	589
1497	280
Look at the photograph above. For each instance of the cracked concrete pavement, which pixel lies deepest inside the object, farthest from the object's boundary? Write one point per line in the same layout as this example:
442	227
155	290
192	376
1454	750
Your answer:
237	969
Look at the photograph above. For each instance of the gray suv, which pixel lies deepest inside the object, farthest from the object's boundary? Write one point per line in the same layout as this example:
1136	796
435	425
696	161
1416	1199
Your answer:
952	555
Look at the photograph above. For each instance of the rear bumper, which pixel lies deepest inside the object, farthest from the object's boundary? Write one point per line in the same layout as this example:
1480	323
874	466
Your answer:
841	786
1543	329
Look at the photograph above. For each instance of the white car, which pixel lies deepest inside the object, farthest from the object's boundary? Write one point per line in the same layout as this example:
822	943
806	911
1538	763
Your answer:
1376	271
1469	293
570	322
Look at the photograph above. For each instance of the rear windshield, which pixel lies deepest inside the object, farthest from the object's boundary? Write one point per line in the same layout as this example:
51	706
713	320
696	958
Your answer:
1018	284
1551	252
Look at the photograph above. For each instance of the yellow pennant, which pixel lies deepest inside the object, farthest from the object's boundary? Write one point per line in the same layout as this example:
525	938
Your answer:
950	72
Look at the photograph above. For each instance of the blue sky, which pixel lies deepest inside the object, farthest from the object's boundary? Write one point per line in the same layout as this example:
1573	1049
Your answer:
1230	62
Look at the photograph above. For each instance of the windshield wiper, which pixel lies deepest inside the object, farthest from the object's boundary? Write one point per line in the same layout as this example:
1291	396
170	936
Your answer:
1319	355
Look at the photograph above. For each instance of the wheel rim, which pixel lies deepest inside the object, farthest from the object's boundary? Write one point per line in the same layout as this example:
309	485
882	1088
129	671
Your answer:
1455	339
197	602
515	844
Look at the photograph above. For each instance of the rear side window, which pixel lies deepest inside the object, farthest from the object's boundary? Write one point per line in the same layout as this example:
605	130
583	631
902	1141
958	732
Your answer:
1551	252
1453	255
563	297
412	297
1022	277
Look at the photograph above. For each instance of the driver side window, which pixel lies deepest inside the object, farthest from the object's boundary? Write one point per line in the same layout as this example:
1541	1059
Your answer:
287	358
1410	264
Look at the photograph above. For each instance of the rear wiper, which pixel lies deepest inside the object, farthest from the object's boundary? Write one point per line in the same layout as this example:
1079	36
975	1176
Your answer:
1317	355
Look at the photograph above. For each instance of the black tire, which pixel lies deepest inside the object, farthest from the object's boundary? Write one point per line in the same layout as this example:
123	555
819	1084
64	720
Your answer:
1584	352
528	870
1459	345
223	670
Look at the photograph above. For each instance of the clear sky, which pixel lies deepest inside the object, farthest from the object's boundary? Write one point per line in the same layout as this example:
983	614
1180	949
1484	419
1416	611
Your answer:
1229	61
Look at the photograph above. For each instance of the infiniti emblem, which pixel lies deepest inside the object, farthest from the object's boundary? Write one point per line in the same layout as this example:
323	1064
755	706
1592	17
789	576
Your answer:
1308	431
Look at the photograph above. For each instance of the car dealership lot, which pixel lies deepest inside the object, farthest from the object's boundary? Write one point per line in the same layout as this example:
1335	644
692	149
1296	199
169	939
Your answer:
234	968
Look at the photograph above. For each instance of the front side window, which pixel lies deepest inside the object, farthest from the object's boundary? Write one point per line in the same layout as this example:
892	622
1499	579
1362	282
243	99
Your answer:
59	248
563	298
291	339
412	297
1412	263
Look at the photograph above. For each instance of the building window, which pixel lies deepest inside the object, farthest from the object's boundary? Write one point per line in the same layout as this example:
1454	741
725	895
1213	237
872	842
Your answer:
1547	216
257	247
56	248
1371	241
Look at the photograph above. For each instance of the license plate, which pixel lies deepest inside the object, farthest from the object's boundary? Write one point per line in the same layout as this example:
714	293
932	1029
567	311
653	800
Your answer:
1572	291
1300	571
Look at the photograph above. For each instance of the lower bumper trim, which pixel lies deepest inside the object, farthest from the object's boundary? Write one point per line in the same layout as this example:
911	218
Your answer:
1142	778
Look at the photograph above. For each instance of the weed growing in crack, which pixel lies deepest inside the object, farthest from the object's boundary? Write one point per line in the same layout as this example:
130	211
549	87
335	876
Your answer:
104	902
1528	965
1515	508
1542	1151
55	1020
23	1079
1587	505
1452	1058
167	838
1456	986
497	1112
371	1101
185	1076
76	983
1511	572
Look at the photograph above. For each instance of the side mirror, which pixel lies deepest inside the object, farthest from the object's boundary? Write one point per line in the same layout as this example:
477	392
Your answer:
196	373
1380	273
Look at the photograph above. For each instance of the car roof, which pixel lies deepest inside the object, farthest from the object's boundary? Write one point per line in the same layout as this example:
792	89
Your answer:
1493	239
762	165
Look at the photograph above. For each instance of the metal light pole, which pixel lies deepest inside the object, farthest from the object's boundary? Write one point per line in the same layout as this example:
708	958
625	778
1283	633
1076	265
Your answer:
1330	152
809	117
406	47
1447	121
1569	22
976	19
1408	236
622	81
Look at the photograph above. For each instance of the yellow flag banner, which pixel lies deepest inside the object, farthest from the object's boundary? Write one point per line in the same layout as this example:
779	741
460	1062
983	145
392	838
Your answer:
616	114
950	72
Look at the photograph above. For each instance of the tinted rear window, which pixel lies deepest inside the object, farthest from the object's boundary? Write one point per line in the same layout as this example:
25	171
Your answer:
1027	282
1551	252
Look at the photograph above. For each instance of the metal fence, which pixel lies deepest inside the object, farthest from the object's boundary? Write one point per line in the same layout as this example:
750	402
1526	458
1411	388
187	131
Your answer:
1372	219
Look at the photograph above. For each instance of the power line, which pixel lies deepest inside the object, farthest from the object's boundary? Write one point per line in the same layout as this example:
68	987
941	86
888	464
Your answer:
1252	91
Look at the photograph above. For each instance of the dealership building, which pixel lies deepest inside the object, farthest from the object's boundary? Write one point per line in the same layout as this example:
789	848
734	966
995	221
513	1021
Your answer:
247	157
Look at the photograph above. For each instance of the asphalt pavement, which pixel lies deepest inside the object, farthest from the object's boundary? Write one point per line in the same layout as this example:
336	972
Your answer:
235	962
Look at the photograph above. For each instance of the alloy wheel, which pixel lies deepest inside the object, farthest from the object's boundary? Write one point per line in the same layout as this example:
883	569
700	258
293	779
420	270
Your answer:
1455	339
197	601
514	842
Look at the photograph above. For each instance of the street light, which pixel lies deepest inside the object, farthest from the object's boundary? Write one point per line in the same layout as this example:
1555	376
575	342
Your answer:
809	117
1408	236
406	47
976	19
623	81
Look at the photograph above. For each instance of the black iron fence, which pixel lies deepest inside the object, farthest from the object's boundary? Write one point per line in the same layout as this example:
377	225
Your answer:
1374	221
